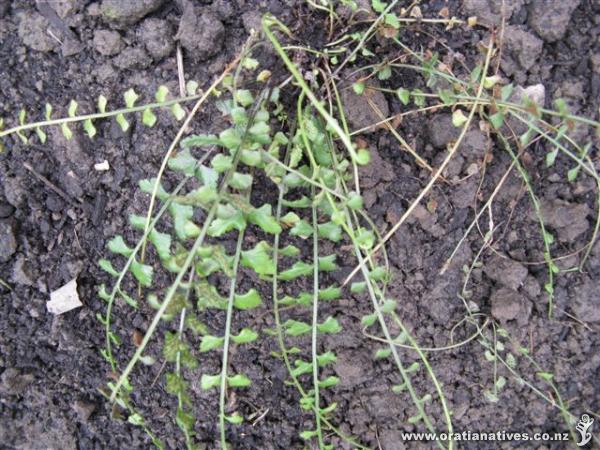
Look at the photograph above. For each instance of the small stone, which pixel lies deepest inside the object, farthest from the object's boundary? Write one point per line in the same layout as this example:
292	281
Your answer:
64	7
128	12
376	171
33	29
13	382
491	12
14	191
473	145
509	305
358	109
441	131
464	195
107	42
521	50
6	210
71	47
83	409
64	299
252	21
551	22
392	440
132	58
224	8
569	220
8	243
586	301
103	166
535	93
506	271
22	273
157	37
352	369
201	34
531	287
105	72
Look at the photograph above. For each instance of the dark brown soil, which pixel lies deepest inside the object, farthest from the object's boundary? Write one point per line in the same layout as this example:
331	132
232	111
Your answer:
54	231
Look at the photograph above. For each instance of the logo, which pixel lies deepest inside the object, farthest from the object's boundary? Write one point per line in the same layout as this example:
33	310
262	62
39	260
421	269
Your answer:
584	426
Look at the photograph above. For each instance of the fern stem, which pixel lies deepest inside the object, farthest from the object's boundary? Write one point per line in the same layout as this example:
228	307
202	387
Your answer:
315	317
104	115
225	362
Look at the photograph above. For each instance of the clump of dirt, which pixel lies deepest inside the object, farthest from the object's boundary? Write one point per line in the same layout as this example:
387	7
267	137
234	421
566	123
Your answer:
57	212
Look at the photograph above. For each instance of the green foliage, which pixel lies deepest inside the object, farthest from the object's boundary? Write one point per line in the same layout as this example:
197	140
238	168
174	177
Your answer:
307	155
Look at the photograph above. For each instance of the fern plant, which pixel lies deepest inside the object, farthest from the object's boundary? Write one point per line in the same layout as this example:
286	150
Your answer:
198	236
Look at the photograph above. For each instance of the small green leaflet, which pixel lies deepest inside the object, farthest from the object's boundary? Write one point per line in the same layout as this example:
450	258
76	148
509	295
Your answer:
246	335
72	108
362	157
250	158
108	267
147	186
358	287
240	181
403	95
289	250
162	243
368	320
506	91
263	217
290	219
330	231
200	140
148	118
497	119
178	111
210	381
302	229
66	131
235	418
359	87
330	293
244	97
130	97
230	138
122	121
298	269
101	104
330	325
117	245
238	380
142	272
208	176
259	259
296	328
249	300
327	263
221	163
222	225
326	358
183	162
191	87
161	93
89	128
354	201
210	343
378	5
329	382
